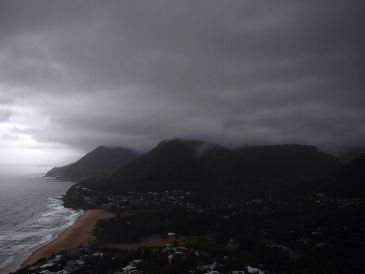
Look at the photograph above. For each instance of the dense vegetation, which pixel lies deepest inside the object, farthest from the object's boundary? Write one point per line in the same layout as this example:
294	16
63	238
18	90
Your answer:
197	165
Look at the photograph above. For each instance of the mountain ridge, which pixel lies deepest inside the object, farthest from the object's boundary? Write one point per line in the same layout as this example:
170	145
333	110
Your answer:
99	162
191	164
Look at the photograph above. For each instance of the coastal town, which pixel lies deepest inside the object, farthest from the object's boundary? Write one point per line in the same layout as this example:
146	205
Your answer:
171	259
176	231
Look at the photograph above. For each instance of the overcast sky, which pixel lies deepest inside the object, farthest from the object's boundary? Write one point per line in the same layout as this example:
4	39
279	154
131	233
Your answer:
77	74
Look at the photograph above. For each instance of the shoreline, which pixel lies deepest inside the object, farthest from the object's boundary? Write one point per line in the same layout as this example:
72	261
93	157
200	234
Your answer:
77	234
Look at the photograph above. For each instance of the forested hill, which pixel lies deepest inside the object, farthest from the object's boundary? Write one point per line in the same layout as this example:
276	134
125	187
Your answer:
102	161
192	164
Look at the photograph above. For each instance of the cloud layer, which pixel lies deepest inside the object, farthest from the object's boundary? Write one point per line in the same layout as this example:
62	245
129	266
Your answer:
84	73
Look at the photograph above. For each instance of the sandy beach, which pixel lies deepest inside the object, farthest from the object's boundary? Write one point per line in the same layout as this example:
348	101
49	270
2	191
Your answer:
79	233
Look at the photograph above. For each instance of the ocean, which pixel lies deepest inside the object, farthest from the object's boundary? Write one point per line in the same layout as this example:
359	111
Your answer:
31	212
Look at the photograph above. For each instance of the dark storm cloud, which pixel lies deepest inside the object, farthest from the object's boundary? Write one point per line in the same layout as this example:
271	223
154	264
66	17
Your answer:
233	72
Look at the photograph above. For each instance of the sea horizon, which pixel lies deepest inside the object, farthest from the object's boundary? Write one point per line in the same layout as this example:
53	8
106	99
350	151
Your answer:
31	212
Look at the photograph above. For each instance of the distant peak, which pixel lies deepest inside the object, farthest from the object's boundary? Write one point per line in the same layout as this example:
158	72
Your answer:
102	147
179	140
199	147
182	141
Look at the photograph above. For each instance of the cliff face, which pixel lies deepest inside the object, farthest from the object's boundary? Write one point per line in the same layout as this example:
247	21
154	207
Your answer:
102	161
